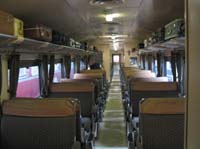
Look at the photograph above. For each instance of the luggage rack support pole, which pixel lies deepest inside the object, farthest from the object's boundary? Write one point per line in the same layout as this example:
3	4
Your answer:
4	89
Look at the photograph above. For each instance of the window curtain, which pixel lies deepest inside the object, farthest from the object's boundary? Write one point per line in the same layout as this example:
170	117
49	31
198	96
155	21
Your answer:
180	56
88	60
159	64
150	61
43	76
143	61
84	59
154	62
173	64
68	65
14	65
78	64
0	75
63	71
140	61
51	69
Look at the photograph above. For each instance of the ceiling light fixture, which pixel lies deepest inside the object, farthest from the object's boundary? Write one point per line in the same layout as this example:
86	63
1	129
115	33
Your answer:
114	36
116	46
110	17
101	2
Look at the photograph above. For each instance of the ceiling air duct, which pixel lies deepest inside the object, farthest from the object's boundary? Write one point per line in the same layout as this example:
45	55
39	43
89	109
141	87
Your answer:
104	2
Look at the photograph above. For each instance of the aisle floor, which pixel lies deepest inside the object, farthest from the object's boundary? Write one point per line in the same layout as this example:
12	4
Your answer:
112	129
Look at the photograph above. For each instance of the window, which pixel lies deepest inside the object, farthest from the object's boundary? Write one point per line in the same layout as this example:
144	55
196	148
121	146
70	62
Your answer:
133	60
28	82
72	70
57	72
156	67
82	65
169	71
116	58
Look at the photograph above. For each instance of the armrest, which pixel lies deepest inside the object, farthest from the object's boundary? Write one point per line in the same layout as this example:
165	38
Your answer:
132	139
135	122
76	145
86	123
139	143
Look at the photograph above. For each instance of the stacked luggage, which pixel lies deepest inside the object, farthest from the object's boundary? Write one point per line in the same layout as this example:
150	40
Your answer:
11	25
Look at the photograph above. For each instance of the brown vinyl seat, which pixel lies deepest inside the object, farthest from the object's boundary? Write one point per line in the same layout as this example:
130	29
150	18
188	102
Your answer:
83	91
97	76
96	71
144	78
96	83
141	90
38	123
161	123
131	111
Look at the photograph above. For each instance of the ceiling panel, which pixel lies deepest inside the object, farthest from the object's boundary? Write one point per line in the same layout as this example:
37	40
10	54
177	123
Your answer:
82	21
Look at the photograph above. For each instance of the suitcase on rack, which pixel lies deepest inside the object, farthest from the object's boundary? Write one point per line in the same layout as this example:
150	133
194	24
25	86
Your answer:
72	43
78	45
158	36
60	38
38	32
11	25
175	29
149	41
84	46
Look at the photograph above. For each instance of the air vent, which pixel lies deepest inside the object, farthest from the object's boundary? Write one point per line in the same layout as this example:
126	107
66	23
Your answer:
112	23
103	2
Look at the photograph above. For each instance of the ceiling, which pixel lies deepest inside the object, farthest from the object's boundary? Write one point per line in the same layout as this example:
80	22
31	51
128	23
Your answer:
86	22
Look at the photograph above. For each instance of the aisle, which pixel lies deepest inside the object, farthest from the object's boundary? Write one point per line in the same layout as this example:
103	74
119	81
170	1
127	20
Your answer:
112	130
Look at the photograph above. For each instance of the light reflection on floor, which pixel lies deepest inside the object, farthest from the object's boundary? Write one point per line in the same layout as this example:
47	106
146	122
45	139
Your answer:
112	129
110	147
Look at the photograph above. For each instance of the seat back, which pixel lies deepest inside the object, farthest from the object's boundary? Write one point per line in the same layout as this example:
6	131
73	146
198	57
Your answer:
162	123
97	87
98	77
41	124
99	71
145	79
83	91
141	90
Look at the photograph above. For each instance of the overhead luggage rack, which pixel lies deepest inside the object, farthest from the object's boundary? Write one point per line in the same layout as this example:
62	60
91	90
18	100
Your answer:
175	43
11	44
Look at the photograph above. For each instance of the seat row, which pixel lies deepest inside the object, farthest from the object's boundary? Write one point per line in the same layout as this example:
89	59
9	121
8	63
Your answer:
68	118
153	109
43	124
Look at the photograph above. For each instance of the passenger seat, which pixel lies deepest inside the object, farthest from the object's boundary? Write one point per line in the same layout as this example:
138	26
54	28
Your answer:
161	123
38	124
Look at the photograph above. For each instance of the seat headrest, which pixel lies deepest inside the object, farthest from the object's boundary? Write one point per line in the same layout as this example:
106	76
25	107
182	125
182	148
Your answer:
87	76
72	87
93	71
162	106
157	79
140	74
78	80
155	86
39	107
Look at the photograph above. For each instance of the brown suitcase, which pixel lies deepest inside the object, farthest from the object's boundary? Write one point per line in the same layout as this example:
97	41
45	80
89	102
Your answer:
6	23
11	25
39	32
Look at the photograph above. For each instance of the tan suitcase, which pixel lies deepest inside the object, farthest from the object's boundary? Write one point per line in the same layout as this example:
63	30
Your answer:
11	25
6	23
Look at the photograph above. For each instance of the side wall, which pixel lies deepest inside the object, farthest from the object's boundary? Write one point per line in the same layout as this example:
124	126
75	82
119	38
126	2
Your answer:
193	59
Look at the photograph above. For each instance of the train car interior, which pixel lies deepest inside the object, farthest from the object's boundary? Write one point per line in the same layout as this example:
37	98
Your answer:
99	74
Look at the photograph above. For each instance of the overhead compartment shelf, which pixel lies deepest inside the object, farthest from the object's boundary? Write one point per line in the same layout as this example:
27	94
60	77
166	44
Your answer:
174	44
10	44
